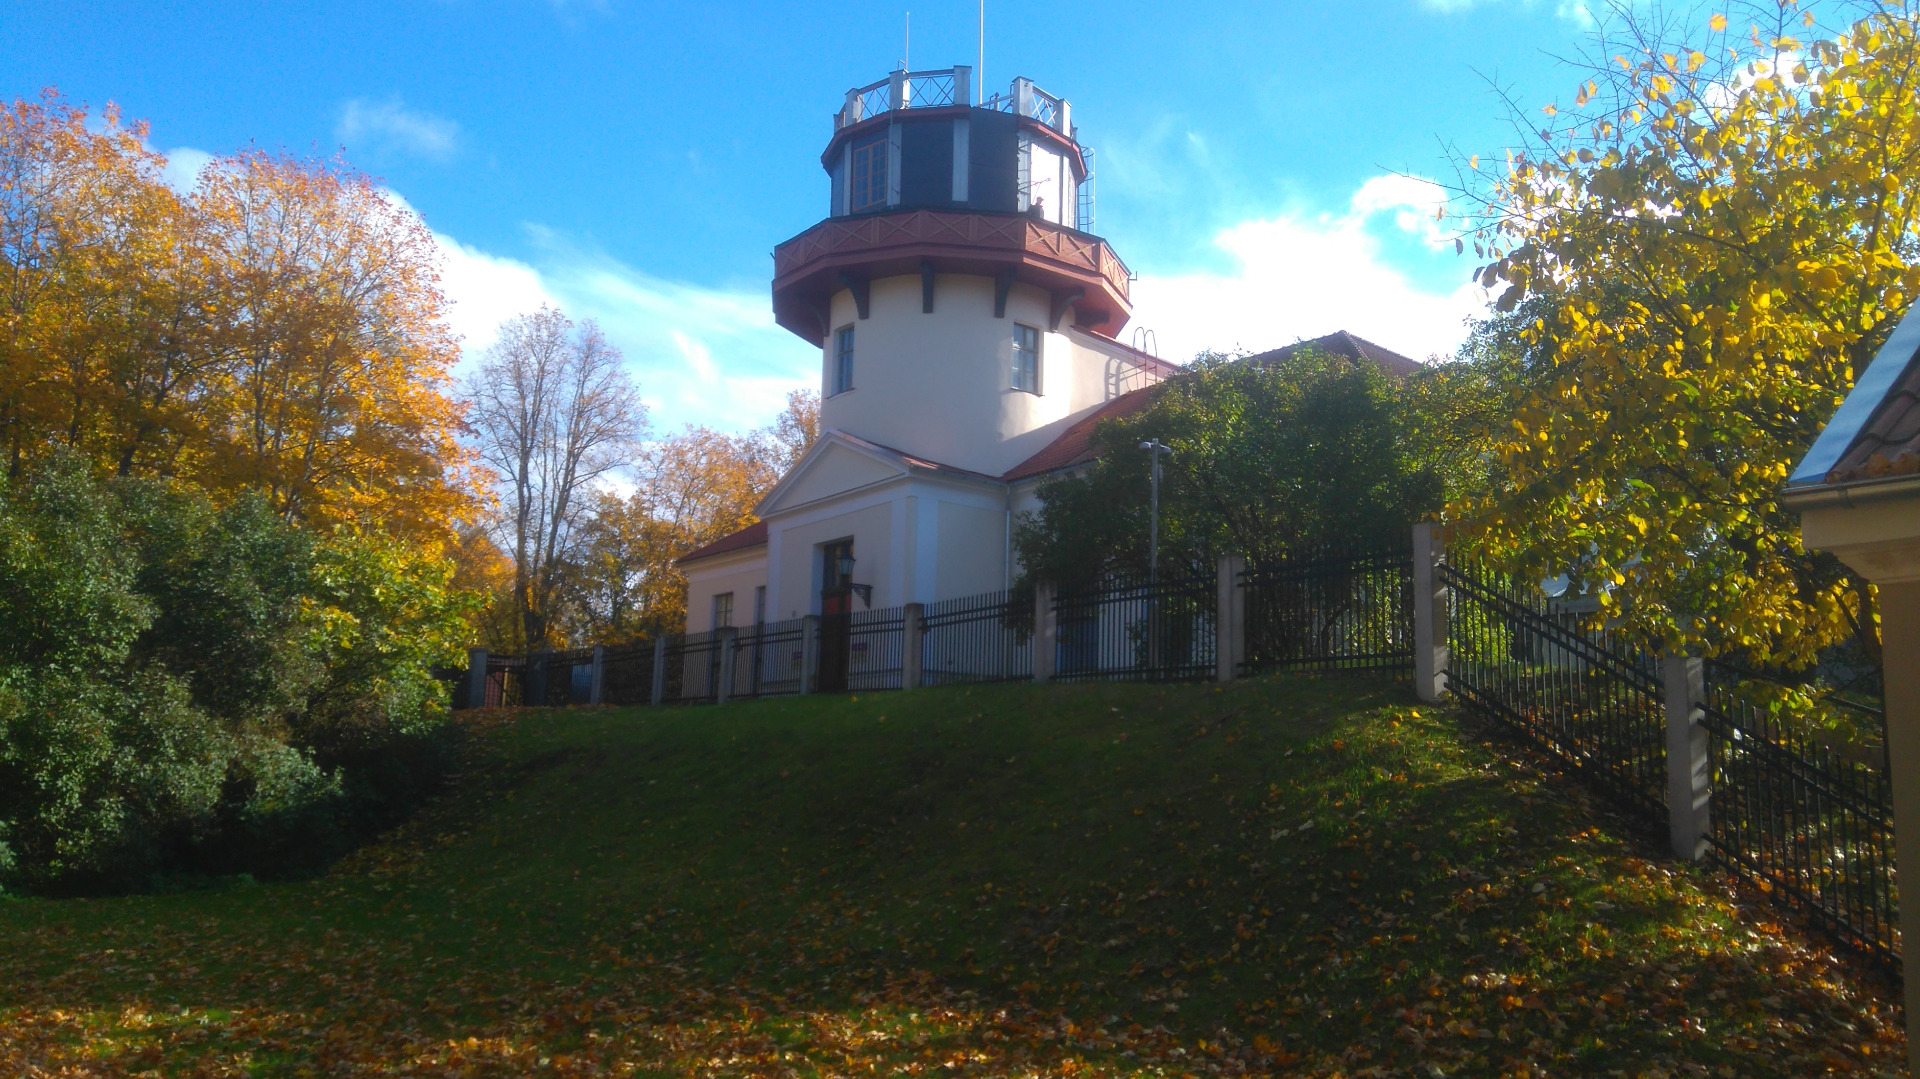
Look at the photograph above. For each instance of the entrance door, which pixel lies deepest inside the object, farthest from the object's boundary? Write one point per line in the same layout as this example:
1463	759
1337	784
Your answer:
836	616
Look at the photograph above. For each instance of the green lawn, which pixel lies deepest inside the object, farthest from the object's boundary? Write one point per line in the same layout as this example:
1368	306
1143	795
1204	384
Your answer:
1290	875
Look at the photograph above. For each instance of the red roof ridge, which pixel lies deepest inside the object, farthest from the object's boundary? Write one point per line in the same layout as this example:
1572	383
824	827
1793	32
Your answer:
754	535
1071	447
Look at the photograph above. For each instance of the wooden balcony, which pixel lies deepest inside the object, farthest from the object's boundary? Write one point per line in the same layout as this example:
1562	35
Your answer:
839	253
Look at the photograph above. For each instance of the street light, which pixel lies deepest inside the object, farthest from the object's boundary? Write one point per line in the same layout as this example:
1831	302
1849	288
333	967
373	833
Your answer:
1160	452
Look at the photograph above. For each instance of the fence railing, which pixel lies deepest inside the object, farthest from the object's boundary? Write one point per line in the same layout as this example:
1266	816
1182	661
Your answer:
767	658
1129	630
1330	613
985	638
1806	822
1811	825
1595	702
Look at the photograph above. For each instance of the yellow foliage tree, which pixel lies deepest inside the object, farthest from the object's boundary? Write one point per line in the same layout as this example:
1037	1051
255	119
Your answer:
278	329
1700	256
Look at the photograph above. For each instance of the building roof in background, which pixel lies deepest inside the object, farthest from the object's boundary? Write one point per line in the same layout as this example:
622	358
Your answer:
1345	344
754	535
1875	434
1071	447
1889	444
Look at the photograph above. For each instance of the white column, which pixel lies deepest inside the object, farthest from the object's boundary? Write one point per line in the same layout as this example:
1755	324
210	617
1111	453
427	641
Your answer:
660	669
1046	632
1689	772
809	652
724	643
476	678
962	85
1429	613
1900	678
1229	618
912	638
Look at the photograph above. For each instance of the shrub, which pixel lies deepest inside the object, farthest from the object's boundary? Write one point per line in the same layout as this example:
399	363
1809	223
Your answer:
192	688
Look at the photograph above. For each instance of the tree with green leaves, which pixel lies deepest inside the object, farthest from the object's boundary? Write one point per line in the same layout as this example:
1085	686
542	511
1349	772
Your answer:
1693	263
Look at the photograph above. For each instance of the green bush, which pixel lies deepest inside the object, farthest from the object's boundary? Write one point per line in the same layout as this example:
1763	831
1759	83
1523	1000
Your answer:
188	688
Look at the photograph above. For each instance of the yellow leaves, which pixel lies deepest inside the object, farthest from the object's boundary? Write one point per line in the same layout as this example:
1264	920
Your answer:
1718	23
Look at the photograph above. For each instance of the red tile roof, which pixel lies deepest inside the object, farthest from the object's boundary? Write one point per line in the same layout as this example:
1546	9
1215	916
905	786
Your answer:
1346	344
754	535
1071	447
1889	444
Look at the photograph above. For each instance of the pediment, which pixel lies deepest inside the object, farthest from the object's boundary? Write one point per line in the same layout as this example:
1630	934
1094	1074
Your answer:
832	467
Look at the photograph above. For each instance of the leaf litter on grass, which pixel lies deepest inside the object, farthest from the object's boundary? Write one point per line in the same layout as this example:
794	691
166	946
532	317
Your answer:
1289	876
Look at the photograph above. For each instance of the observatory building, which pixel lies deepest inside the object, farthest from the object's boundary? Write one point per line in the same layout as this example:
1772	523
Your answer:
966	316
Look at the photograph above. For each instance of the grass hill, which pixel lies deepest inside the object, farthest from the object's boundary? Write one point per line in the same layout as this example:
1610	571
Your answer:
1289	875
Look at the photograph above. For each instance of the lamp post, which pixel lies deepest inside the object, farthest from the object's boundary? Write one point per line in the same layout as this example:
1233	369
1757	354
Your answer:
1160	452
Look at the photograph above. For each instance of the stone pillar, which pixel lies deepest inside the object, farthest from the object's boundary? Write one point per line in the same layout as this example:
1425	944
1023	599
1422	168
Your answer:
963	86
1046	632
1229	618
809	653
597	683
913	635
660	669
725	644
476	678
897	90
1689	772
1429	613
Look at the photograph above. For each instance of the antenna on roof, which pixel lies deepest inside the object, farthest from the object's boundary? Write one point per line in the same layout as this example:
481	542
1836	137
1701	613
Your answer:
906	48
981	78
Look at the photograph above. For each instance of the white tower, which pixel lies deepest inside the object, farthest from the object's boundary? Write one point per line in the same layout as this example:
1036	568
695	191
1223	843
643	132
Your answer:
962	312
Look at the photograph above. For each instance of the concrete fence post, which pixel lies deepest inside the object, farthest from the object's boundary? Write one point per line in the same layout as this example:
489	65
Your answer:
725	644
1429	613
597	681
810	654
659	669
1689	772
476	678
1046	632
1229	618
913	635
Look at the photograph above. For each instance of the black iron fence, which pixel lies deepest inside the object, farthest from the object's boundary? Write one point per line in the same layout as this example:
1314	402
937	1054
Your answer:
626	673
1811	824
767	659
1127	629
986	638
1330	613
1594	701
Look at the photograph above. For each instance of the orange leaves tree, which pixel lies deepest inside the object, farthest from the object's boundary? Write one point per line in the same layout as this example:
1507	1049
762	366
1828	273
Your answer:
276	329
1694	263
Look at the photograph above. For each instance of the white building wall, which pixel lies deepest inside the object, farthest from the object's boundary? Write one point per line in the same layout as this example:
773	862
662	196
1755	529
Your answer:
736	572
938	385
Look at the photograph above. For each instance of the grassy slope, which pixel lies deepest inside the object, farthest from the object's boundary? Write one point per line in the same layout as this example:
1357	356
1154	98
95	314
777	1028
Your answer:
994	880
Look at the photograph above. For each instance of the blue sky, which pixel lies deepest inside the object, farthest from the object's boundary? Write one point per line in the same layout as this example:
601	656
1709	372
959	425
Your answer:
636	162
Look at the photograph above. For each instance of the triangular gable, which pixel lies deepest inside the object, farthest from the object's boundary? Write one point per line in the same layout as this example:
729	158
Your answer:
835	465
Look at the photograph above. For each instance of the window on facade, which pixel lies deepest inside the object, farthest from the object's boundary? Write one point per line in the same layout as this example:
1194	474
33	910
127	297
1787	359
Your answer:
842	376
723	610
1026	359
869	179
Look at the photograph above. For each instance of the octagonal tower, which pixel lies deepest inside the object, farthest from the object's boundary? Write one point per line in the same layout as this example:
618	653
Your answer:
963	311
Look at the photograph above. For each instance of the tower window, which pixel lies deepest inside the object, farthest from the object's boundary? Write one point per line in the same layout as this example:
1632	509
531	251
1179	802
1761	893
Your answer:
842	379
1026	359
869	178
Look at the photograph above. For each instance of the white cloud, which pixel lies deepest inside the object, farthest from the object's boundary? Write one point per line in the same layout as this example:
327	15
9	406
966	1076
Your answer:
700	354
1303	275
183	168
392	126
1574	11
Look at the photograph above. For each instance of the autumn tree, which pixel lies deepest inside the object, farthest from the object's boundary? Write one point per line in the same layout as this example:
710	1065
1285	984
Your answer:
691	488
553	412
279	329
1707	247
